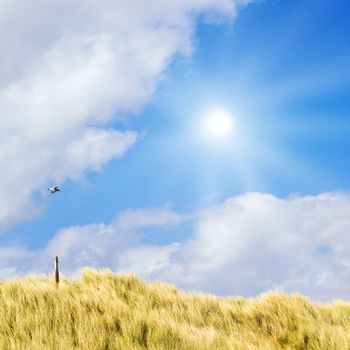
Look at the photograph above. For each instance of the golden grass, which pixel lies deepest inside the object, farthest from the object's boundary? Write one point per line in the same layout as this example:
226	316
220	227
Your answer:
106	311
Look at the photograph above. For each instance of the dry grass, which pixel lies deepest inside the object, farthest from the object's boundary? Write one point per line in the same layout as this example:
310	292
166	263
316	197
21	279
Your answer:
106	311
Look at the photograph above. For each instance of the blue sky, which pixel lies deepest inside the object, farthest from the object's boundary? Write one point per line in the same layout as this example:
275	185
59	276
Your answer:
280	68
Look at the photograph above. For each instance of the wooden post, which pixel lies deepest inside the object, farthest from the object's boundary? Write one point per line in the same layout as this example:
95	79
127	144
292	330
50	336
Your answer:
57	273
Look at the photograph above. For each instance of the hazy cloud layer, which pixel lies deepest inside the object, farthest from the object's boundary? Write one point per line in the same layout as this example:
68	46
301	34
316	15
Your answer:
247	245
67	69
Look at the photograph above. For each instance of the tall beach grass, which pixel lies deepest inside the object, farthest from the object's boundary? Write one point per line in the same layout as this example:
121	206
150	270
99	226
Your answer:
101	310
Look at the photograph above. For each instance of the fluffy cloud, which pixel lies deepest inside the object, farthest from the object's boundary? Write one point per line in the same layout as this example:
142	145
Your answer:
66	71
135	218
117	245
247	245
256	242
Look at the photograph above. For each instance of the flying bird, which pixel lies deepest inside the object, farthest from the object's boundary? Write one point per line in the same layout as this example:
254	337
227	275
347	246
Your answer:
53	189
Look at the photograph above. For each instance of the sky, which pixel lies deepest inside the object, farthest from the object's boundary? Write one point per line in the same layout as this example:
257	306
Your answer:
203	143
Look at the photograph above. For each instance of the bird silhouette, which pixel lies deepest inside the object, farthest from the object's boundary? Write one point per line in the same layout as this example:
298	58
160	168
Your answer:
53	189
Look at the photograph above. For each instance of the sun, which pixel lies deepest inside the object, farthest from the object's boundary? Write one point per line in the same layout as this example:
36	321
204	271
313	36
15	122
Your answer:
219	124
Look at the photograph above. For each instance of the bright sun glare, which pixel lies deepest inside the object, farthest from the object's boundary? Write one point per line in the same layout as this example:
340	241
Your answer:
219	124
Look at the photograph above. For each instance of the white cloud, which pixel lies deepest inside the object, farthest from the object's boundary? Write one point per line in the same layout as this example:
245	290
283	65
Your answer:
255	242
95	147
134	218
66	71
117	246
247	245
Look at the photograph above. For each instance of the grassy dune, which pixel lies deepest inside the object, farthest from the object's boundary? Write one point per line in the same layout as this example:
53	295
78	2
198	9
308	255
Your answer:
106	311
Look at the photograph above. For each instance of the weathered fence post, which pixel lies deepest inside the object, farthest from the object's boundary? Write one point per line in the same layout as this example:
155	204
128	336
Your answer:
57	273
